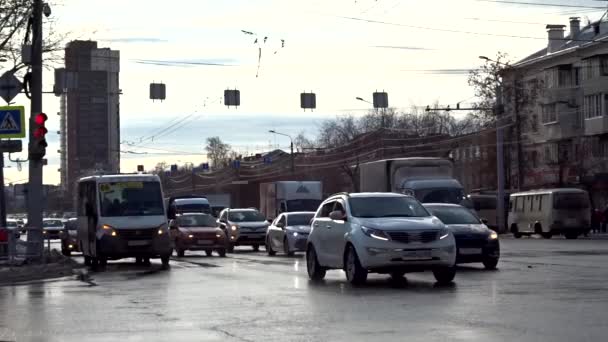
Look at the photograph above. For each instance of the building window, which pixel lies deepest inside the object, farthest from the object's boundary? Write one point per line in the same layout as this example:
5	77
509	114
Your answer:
549	113
564	76
604	66
592	105
551	154
534	159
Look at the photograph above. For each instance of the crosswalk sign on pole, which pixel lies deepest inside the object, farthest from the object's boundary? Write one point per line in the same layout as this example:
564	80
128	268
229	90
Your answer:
12	122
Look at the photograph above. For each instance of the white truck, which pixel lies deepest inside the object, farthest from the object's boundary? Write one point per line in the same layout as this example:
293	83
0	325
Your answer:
218	202
430	180
289	196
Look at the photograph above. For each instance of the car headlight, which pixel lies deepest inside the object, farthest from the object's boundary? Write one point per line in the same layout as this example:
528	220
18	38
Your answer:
375	233
162	230
493	235
190	236
444	233
234	228
109	230
295	234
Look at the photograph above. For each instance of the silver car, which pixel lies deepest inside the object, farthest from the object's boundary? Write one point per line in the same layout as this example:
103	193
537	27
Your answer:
379	233
289	233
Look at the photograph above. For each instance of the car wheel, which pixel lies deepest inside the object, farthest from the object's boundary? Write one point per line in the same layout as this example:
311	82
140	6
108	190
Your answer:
286	248
222	252
490	263
269	250
94	263
209	252
146	261
547	235
256	248
87	260
230	248
103	261
66	252
444	275
316	272
180	252
397	275
165	260
571	236
355	273
515	232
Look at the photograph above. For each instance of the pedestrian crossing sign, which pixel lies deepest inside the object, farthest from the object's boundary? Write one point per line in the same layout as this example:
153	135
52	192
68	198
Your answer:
12	122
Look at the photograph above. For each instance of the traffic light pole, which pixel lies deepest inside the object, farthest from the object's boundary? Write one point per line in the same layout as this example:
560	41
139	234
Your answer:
34	189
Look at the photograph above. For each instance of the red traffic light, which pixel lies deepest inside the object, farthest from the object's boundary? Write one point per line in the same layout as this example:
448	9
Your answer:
40	119
40	132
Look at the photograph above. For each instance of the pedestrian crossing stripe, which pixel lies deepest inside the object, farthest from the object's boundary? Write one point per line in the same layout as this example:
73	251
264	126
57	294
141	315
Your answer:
8	124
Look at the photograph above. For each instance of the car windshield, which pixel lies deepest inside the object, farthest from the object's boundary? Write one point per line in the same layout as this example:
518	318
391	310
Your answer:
131	199
196	221
299	219
447	195
52	223
303	205
371	207
193	208
572	201
246	216
453	215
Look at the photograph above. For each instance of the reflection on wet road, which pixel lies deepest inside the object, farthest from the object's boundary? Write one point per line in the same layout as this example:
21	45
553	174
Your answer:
540	286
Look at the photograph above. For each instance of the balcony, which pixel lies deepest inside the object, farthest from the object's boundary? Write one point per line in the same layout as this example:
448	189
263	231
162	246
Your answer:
596	125
568	125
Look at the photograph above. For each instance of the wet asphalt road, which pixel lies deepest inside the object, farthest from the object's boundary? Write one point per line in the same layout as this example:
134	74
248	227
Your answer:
543	291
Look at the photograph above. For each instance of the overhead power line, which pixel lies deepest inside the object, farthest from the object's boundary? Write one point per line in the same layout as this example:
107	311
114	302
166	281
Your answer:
542	4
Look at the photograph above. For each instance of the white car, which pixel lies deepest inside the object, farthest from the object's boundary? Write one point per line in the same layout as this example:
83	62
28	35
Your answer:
380	233
289	233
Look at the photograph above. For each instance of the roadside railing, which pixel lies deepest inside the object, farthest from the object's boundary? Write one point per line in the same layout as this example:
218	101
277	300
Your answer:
14	250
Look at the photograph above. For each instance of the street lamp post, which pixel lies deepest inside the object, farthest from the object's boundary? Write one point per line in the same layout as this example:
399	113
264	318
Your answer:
381	115
293	166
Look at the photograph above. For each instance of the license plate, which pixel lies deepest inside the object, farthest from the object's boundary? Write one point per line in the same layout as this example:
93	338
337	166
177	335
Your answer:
416	255
138	243
469	251
204	242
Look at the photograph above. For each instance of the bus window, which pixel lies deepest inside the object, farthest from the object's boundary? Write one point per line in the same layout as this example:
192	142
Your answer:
531	198
570	201
131	199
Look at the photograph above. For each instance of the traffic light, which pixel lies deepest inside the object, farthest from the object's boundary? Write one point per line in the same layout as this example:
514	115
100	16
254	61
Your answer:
39	144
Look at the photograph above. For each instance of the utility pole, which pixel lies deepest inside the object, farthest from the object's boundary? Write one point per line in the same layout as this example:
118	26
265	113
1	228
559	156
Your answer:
500	161
34	189
2	193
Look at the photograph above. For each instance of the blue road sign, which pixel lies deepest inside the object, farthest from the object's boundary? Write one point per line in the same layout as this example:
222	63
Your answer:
12	122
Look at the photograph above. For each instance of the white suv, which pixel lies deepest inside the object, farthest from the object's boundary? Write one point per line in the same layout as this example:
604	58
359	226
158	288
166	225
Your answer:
379	233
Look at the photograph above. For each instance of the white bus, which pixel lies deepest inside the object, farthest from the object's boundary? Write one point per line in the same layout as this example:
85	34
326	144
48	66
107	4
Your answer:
550	212
122	216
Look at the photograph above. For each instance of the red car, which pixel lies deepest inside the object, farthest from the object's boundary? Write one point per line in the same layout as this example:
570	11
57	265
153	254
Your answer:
197	232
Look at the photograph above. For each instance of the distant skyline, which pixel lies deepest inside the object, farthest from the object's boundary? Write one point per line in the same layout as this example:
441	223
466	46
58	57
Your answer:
417	51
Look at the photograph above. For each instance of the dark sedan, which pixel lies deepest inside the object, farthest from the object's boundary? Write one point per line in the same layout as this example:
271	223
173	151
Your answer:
474	240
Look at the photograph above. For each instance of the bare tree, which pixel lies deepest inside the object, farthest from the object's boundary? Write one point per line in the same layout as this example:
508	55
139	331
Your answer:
486	80
302	142
217	151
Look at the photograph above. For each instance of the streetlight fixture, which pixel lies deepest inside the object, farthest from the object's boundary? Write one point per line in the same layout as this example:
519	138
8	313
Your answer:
293	167
363	100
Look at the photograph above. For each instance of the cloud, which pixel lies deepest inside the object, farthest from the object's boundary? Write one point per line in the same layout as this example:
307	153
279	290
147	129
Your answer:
135	40
416	48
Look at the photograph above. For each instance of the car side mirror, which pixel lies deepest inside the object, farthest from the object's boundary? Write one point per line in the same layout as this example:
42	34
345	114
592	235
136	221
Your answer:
173	224
281	225
337	216
484	221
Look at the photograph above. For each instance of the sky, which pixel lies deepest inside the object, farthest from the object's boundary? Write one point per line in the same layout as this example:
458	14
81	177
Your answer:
415	50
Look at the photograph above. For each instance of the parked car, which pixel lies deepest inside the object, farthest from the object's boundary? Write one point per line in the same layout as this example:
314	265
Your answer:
13	226
51	228
245	227
289	233
385	233
69	237
475	242
197	231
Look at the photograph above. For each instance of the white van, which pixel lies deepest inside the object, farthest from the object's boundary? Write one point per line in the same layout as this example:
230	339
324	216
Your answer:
549	212
121	216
